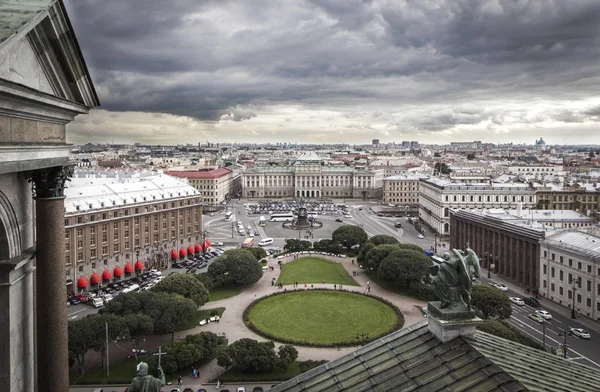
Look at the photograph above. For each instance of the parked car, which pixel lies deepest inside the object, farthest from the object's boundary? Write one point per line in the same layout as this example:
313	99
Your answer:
500	286
517	301
107	298
545	314
580	332
536	317
532	302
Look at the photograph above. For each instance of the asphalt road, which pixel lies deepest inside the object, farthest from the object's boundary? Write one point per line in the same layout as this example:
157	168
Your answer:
584	351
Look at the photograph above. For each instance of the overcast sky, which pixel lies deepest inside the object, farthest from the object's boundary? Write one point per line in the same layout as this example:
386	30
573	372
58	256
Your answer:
325	71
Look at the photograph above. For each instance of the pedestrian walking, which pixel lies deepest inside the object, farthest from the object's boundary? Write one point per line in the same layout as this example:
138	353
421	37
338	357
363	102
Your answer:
334	286
194	373
179	382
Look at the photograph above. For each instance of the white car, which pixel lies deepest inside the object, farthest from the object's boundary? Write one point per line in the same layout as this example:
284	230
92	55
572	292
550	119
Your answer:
500	286
421	236
517	301
218	244
580	332
544	314
155	272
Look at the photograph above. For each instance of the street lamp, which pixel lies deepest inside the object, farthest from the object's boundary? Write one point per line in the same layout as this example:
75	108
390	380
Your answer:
490	256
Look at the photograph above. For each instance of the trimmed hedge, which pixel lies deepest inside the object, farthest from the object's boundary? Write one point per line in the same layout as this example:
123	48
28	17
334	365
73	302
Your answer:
349	343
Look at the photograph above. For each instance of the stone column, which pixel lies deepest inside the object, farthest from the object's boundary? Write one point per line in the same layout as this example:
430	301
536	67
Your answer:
51	291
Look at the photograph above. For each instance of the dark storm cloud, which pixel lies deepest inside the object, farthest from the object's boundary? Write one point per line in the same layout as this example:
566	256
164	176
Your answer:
207	59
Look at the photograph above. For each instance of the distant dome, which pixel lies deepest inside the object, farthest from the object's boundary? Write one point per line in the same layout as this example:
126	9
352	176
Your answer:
540	142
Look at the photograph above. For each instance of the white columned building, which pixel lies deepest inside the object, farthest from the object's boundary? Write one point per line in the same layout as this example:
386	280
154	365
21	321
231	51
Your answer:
438	196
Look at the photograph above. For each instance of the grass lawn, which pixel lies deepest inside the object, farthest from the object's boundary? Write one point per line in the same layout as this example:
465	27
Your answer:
322	316
274	375
200	315
120	373
315	270
220	291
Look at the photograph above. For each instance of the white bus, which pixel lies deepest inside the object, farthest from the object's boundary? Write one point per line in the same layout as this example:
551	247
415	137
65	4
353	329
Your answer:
262	222
282	217
228	216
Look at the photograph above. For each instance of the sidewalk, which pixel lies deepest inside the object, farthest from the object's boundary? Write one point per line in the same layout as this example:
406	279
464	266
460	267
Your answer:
545	302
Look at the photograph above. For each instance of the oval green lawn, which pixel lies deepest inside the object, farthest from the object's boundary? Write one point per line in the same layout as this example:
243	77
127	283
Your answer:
322	316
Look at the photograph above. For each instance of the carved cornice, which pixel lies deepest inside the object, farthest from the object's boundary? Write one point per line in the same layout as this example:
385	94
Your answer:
50	183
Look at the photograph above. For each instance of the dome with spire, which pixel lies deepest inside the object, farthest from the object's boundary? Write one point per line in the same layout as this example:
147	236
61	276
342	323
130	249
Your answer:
540	142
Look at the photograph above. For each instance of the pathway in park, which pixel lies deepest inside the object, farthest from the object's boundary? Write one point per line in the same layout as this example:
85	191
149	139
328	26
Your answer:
232	325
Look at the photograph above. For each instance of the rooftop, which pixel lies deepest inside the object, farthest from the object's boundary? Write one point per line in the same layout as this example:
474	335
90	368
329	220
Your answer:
576	241
89	191
412	359
205	174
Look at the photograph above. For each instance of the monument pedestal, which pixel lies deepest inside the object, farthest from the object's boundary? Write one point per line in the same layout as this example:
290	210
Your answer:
452	322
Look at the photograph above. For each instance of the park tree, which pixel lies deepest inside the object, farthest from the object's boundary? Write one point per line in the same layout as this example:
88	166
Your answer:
470	157
259	253
382	239
97	328
242	266
170	311
218	270
349	236
294	244
322	245
79	341
442	168
491	302
206	279
377	254
287	355
411	247
404	266
251	356
224	360
185	285
364	250
139	326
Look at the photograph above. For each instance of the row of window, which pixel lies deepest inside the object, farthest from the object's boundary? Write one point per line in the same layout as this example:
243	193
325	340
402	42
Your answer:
489	198
126	212
578	297
570	262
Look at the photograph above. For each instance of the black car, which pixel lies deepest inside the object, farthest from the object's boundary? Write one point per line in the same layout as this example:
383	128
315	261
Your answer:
532	302
339	220
74	300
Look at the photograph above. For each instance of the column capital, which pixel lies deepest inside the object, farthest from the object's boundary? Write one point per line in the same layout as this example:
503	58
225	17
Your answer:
49	183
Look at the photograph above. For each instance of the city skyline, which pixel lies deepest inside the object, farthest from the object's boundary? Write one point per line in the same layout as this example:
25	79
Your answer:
259	72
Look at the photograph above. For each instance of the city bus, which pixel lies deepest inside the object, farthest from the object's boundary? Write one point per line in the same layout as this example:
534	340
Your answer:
262	222
248	242
228	216
282	217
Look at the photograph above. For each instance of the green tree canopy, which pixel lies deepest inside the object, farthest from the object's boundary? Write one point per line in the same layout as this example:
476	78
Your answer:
412	247
404	265
139	326
377	254
294	244
443	168
242	266
97	332
349	236
470	157
205	279
364	250
80	341
218	270
381	239
249	355
287	355
491	302
258	252
185	285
